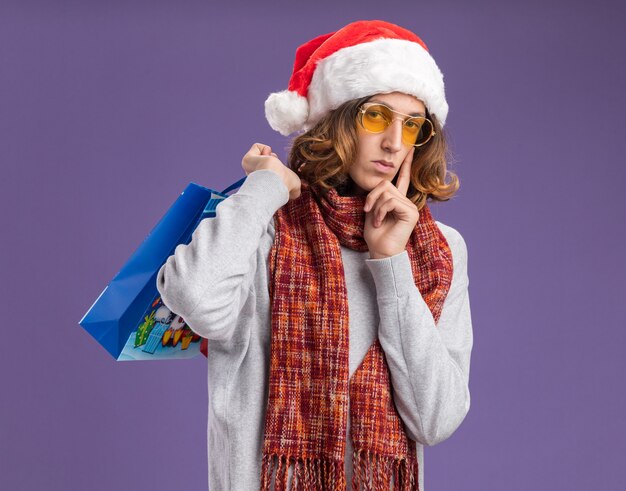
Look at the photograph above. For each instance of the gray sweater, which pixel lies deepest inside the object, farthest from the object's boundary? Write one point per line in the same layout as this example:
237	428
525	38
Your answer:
219	284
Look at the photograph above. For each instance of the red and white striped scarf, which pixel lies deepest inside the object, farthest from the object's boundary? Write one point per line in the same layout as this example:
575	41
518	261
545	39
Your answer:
309	383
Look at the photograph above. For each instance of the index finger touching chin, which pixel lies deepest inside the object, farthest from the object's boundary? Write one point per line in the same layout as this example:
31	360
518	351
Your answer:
404	176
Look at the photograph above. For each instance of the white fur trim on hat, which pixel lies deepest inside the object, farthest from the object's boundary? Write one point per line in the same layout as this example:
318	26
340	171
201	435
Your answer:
286	111
379	66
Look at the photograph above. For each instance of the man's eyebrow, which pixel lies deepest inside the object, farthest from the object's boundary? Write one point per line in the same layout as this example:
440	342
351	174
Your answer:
389	105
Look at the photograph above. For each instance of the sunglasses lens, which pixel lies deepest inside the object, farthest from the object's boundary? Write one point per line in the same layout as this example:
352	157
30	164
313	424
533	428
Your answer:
376	118
416	131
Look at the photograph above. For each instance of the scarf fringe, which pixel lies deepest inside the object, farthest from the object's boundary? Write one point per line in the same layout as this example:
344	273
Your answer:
309	474
374	472
370	472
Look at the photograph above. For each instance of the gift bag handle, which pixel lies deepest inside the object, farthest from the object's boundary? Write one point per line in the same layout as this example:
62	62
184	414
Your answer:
234	185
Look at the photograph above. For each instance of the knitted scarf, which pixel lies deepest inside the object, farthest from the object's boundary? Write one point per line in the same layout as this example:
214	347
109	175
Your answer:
309	383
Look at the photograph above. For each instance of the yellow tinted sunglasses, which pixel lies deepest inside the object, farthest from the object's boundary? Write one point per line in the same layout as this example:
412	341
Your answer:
375	117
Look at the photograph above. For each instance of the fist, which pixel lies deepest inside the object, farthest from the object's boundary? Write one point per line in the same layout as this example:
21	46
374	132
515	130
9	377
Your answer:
260	156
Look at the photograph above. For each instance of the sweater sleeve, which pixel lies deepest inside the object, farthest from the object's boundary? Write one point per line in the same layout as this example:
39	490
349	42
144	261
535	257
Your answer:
429	363
208	280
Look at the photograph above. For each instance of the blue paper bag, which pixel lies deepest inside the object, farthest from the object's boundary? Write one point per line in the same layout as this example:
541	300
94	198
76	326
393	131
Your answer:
128	318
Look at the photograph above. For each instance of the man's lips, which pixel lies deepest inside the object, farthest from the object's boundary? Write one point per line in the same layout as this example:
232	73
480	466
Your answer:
384	162
383	166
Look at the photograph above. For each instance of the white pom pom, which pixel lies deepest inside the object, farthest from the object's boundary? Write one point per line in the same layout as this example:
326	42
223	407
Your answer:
286	111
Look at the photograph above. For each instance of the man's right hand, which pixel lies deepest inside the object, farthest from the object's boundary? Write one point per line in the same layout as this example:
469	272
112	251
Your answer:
260	156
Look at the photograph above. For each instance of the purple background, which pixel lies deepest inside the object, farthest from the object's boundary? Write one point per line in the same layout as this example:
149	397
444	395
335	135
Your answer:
109	109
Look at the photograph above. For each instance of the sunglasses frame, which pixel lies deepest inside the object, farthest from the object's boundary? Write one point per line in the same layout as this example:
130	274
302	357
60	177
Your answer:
366	105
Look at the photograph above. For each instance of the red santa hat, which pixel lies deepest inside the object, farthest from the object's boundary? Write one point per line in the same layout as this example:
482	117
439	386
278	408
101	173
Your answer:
364	58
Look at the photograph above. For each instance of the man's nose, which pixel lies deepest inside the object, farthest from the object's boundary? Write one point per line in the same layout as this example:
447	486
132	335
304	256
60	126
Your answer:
393	136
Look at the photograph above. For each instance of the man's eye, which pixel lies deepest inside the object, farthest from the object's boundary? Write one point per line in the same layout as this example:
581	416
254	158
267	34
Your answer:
413	124
373	114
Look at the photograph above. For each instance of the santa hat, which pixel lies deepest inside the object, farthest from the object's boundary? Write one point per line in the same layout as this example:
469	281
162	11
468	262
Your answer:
364	58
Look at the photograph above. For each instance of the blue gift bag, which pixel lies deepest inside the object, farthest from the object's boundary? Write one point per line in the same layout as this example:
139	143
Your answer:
129	318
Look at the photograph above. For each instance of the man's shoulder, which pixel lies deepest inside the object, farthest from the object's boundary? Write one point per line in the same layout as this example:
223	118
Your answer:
455	241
